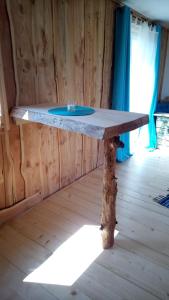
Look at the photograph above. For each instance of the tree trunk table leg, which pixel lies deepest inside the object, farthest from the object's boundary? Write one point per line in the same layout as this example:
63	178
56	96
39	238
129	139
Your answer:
108	214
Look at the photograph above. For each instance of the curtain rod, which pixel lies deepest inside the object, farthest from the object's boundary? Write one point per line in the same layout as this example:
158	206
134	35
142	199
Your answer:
142	19
135	13
120	3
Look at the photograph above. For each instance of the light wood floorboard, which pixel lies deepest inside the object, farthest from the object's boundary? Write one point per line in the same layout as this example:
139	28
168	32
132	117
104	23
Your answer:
138	265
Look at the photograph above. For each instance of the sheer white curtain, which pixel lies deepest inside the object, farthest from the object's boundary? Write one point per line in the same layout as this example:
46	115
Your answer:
142	75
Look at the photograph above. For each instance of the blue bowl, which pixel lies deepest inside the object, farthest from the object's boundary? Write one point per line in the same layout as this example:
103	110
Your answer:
77	111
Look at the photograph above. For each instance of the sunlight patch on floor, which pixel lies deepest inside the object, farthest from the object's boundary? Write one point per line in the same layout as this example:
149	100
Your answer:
71	259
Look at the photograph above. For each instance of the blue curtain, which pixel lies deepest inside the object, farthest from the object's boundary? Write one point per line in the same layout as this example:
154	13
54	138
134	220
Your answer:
121	72
151	126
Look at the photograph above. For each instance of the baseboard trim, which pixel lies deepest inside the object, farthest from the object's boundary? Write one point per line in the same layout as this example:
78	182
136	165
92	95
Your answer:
20	207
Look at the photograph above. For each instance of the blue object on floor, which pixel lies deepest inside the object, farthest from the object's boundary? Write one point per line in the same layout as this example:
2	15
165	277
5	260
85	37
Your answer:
162	107
163	200
76	111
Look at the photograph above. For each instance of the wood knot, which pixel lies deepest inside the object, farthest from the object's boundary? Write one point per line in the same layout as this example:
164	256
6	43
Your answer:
101	227
117	143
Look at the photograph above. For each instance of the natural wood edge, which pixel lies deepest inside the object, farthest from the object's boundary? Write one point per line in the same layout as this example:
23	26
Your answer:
21	121
128	126
4	122
11	212
13	50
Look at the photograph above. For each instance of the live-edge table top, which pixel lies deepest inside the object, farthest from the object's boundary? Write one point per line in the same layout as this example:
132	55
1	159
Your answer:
103	124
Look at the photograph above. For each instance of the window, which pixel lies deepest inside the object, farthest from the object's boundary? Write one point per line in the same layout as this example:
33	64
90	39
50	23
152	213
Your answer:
142	75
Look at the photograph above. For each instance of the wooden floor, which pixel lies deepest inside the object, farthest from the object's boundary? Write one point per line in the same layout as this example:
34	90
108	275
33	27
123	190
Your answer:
138	265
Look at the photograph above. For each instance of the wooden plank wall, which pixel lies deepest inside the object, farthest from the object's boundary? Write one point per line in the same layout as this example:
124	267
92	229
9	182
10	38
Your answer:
62	49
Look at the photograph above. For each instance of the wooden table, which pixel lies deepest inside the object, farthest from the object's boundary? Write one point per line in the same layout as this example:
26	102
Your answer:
105	125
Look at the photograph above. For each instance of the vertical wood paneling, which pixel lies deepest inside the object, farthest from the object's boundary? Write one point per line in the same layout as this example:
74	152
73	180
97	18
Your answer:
70	146
62	49
31	158
42	37
7	186
15	148
21	22
108	53
49	160
2	183
94	48
93	66
5	41
90	152
4	117
8	171
107	65
59	36
68	24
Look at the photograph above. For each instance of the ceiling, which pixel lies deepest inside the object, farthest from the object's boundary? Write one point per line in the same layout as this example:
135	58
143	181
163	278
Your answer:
154	9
